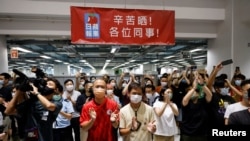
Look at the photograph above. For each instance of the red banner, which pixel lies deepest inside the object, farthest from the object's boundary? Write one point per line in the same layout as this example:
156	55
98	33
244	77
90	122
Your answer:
122	26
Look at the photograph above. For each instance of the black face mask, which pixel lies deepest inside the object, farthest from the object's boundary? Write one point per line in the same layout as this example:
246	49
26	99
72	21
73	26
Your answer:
47	91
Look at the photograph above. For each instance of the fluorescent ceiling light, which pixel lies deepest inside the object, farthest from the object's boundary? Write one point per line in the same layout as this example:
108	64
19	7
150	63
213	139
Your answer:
45	57
32	61
199	56
43	63
21	49
58	61
65	63
132	60
82	60
108	60
20	63
145	63
168	57
165	62
194	50
199	60
156	60
113	50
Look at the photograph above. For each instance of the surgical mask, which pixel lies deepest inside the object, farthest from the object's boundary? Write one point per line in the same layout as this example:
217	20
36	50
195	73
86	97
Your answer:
164	84
183	81
13	94
124	84
237	82
135	98
148	83
170	95
1	82
149	95
10	82
69	87
224	91
109	92
56	97
113	84
81	87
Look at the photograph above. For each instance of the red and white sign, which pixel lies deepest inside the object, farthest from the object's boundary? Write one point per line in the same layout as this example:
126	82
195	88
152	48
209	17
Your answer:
13	53
122	26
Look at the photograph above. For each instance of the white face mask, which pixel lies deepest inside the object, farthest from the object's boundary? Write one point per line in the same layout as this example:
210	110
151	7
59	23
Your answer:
170	95
135	98
113	84
81	87
149	95
109	92
69	87
1	82
237	82
224	91
164	84
13	94
124	84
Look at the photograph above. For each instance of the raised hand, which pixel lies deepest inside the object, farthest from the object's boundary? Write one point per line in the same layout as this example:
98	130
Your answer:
114	116
92	113
135	124
151	126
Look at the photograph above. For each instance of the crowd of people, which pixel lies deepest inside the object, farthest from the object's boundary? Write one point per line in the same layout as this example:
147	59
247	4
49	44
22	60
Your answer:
141	108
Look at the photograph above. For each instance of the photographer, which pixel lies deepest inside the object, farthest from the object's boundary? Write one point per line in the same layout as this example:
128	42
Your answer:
34	102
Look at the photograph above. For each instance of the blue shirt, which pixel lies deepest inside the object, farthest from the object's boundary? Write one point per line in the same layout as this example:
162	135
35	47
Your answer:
61	121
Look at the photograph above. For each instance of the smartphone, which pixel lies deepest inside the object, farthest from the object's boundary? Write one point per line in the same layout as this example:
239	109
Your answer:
227	62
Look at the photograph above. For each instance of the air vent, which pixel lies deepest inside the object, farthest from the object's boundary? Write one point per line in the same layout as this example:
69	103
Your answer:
69	49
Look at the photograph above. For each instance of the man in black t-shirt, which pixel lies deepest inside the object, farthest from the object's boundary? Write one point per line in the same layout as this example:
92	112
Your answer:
240	118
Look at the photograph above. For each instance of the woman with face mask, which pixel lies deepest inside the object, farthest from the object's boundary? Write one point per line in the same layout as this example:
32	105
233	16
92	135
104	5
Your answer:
165	111
236	86
136	118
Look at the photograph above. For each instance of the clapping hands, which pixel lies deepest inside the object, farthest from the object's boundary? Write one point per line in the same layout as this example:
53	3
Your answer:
92	113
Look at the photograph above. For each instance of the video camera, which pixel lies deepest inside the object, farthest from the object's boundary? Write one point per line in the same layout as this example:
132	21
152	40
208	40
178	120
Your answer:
23	83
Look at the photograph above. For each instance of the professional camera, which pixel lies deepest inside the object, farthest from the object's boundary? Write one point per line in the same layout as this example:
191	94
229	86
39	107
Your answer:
23	83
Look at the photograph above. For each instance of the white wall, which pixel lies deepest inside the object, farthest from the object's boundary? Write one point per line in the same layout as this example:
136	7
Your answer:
241	51
3	55
219	49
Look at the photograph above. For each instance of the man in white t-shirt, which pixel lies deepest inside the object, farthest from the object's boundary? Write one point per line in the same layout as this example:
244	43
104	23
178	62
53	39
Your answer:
239	106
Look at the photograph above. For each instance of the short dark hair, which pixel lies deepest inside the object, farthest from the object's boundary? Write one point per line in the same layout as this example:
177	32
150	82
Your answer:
134	85
60	88
68	80
219	83
150	86
55	81
241	76
6	75
245	82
